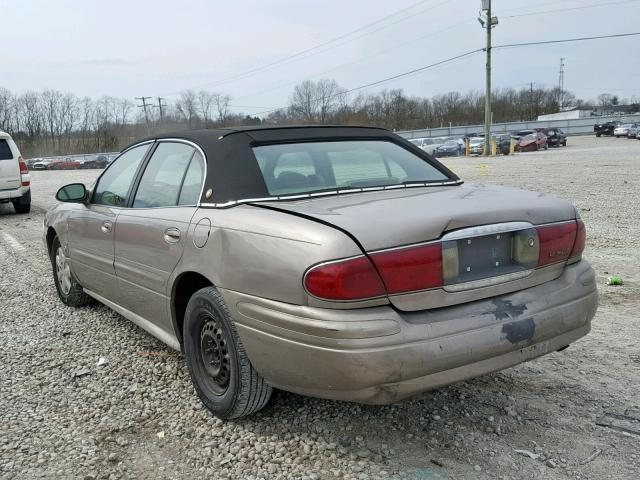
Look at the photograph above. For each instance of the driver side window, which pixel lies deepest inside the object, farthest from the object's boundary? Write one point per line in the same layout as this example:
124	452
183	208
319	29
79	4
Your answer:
113	187
164	175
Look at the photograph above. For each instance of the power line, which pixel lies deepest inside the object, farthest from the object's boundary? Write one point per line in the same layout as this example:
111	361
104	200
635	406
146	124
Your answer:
462	55
388	79
566	40
567	9
295	56
353	62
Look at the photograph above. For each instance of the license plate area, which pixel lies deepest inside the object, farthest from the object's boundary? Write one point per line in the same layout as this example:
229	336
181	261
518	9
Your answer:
500	255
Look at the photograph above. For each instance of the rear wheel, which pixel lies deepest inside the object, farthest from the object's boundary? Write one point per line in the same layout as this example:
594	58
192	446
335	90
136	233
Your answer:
22	207
221	372
69	291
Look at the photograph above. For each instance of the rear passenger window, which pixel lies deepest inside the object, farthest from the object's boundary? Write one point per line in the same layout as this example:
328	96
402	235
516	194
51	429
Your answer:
162	178
192	184
5	151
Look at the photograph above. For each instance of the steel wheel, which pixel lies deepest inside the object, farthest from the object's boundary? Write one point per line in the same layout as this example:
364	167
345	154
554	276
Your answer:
215	354
62	271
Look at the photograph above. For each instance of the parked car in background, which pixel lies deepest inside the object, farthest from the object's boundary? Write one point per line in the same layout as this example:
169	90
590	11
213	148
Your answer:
555	137
32	161
66	164
15	182
476	145
623	130
336	262
100	161
450	148
503	143
531	142
41	164
606	128
633	131
426	144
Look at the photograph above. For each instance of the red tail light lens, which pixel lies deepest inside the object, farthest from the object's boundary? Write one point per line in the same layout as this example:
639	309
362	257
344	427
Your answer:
351	279
24	170
556	242
581	238
23	166
410	269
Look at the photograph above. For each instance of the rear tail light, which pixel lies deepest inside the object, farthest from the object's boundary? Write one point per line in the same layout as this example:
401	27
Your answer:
24	172
410	269
422	267
581	238
23	166
556	242
351	279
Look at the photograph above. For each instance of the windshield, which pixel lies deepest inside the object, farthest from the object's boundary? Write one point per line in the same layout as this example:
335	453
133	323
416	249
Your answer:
531	136
298	168
451	143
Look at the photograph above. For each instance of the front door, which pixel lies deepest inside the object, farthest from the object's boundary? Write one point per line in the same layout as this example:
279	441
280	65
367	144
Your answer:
92	226
150	236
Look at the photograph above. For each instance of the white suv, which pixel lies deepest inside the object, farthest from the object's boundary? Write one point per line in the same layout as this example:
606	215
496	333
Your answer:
14	176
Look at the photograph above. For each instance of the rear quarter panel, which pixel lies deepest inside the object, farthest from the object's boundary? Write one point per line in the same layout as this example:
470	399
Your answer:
262	252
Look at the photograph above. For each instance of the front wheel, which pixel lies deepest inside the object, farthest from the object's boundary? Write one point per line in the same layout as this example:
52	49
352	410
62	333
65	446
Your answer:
69	291
221	371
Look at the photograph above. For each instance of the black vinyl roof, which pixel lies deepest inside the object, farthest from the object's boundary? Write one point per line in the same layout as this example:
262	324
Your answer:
233	173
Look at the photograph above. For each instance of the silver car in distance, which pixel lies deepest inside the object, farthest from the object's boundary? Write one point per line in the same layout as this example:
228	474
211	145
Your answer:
336	262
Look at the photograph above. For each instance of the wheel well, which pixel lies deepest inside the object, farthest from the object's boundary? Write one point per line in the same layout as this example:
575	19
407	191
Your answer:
186	285
51	234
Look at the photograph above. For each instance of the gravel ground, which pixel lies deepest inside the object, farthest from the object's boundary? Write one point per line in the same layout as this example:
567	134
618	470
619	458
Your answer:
138	417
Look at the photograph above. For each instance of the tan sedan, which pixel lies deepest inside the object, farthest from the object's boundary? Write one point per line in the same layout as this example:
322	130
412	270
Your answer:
337	262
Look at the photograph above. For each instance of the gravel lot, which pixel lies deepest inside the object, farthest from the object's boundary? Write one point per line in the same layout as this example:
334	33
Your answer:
138	416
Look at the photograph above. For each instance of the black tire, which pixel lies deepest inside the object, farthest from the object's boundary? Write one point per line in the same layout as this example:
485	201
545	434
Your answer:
222	375
75	297
598	134
22	207
546	146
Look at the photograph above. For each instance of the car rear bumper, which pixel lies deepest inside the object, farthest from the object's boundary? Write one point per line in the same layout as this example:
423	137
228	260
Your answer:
378	355
7	195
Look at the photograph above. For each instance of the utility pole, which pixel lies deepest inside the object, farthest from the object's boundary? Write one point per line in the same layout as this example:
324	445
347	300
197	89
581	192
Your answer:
531	102
144	107
487	22
561	84
160	105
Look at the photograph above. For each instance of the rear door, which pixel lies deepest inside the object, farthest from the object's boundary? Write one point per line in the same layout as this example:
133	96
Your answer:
150	236
9	167
92	225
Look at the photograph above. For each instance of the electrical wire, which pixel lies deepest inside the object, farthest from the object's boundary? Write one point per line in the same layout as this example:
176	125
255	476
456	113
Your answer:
359	60
567	9
384	80
565	40
301	54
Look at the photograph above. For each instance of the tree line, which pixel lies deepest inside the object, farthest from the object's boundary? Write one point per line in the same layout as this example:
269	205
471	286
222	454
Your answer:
51	122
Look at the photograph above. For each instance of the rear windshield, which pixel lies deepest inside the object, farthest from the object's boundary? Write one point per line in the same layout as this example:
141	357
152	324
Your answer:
298	168
5	151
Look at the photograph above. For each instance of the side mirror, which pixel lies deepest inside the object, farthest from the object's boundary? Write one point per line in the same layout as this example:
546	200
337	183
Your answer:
73	193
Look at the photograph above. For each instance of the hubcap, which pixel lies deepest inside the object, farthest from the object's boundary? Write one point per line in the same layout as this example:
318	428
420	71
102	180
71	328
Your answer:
63	272
215	354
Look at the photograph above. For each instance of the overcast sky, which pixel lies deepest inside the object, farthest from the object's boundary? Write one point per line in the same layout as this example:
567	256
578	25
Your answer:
141	47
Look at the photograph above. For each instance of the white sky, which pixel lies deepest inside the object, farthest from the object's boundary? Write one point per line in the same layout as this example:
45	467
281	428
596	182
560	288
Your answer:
141	47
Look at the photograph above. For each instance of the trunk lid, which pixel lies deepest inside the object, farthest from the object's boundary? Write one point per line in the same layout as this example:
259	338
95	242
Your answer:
485	262
391	218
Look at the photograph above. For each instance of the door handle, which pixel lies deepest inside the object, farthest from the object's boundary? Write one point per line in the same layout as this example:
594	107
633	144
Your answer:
106	227
172	235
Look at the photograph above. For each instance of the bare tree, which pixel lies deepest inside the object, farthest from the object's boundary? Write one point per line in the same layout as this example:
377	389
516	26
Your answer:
222	107
187	106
